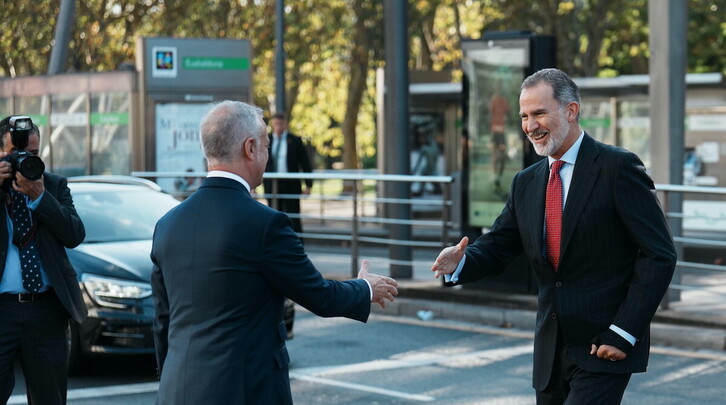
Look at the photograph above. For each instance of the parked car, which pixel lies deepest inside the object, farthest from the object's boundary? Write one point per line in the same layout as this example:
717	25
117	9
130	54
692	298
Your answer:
114	267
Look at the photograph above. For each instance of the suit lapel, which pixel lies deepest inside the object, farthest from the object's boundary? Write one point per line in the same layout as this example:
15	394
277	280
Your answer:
583	179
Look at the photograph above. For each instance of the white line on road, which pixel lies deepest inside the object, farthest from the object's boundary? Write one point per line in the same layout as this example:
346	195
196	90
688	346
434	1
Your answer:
690	353
98	392
492	330
419	360
482	357
360	387
455	325
711	367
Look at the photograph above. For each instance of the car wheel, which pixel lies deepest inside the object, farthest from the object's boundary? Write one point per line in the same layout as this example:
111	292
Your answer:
76	360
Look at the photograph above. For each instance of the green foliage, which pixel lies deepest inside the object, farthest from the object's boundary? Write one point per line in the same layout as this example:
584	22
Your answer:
334	46
707	36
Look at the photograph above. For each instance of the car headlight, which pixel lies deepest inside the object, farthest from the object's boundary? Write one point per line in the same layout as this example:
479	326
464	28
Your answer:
115	292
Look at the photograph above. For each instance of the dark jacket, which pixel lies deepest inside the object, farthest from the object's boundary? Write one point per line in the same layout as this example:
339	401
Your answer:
297	161
617	256
223	263
59	227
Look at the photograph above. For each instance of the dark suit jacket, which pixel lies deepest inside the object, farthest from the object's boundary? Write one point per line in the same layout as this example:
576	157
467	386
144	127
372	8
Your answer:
297	161
223	264
59	226
617	256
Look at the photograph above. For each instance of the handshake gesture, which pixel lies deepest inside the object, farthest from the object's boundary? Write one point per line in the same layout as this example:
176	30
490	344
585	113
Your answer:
449	258
384	288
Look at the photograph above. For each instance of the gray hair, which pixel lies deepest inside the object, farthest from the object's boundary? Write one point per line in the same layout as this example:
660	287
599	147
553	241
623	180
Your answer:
226	127
564	89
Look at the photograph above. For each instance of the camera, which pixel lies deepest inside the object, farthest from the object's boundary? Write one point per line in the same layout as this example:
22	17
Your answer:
29	165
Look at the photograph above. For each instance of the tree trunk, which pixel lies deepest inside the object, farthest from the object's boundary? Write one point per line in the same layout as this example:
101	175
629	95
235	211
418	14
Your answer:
356	87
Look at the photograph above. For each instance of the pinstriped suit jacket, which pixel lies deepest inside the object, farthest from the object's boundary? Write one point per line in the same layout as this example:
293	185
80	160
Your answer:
617	256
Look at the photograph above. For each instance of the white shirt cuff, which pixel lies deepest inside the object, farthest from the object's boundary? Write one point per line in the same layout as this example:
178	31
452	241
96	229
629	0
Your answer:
370	288
625	335
454	277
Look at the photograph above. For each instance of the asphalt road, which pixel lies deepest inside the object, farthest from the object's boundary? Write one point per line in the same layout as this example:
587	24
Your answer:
396	360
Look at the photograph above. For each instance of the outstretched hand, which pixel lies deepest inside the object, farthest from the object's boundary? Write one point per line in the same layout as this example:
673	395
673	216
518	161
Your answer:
449	258
384	288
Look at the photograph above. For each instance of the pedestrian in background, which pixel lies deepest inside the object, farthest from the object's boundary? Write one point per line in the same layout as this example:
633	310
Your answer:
287	155
223	264
589	222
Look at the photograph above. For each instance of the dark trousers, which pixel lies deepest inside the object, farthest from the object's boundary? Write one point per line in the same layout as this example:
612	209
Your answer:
35	334
571	385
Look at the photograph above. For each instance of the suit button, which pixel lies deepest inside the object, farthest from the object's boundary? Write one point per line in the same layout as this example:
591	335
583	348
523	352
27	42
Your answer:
558	284
554	316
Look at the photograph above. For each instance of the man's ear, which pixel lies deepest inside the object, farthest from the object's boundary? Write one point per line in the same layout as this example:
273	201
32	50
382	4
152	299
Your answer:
248	149
572	110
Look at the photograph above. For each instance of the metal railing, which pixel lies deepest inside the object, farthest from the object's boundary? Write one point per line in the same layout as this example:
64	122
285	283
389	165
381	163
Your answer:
699	233
353	213
361	215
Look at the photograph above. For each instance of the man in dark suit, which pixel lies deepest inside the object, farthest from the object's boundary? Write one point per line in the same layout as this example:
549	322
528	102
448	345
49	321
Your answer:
602	263
34	314
287	154
223	263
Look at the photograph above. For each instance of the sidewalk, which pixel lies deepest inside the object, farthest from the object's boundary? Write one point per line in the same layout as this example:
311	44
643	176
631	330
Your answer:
697	322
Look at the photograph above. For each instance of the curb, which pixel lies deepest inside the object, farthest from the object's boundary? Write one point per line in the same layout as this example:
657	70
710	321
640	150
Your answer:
662	334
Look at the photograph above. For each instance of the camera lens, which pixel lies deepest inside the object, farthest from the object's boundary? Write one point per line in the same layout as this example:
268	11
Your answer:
32	167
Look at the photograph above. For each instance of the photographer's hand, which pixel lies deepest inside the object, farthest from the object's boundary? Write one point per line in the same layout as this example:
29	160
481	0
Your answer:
6	171
32	188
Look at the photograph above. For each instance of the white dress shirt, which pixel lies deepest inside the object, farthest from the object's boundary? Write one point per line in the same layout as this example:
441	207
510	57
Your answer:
279	155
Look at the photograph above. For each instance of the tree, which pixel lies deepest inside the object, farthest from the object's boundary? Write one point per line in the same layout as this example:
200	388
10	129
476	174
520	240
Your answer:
333	47
27	35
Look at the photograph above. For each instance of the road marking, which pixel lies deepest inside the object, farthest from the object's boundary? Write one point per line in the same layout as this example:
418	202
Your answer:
711	367
420	360
97	392
360	387
518	333
408	360
672	351
456	325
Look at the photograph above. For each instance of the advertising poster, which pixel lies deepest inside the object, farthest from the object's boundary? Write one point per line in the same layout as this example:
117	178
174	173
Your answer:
177	141
495	144
426	146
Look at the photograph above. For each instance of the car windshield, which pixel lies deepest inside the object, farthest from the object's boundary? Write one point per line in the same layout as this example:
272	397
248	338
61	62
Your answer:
113	216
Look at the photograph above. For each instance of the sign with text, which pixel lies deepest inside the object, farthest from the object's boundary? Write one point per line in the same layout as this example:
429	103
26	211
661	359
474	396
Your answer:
217	63
177	140
183	65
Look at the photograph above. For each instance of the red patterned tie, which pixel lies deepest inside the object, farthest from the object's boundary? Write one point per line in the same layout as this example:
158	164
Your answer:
553	214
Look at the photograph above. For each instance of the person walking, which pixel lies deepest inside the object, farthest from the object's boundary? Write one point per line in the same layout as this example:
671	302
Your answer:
589	223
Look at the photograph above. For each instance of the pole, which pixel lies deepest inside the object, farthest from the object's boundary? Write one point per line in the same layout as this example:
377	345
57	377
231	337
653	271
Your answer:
280	57
668	21
63	29
397	130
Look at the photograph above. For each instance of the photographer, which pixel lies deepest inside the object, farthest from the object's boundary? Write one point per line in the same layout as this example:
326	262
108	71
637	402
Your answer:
38	287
